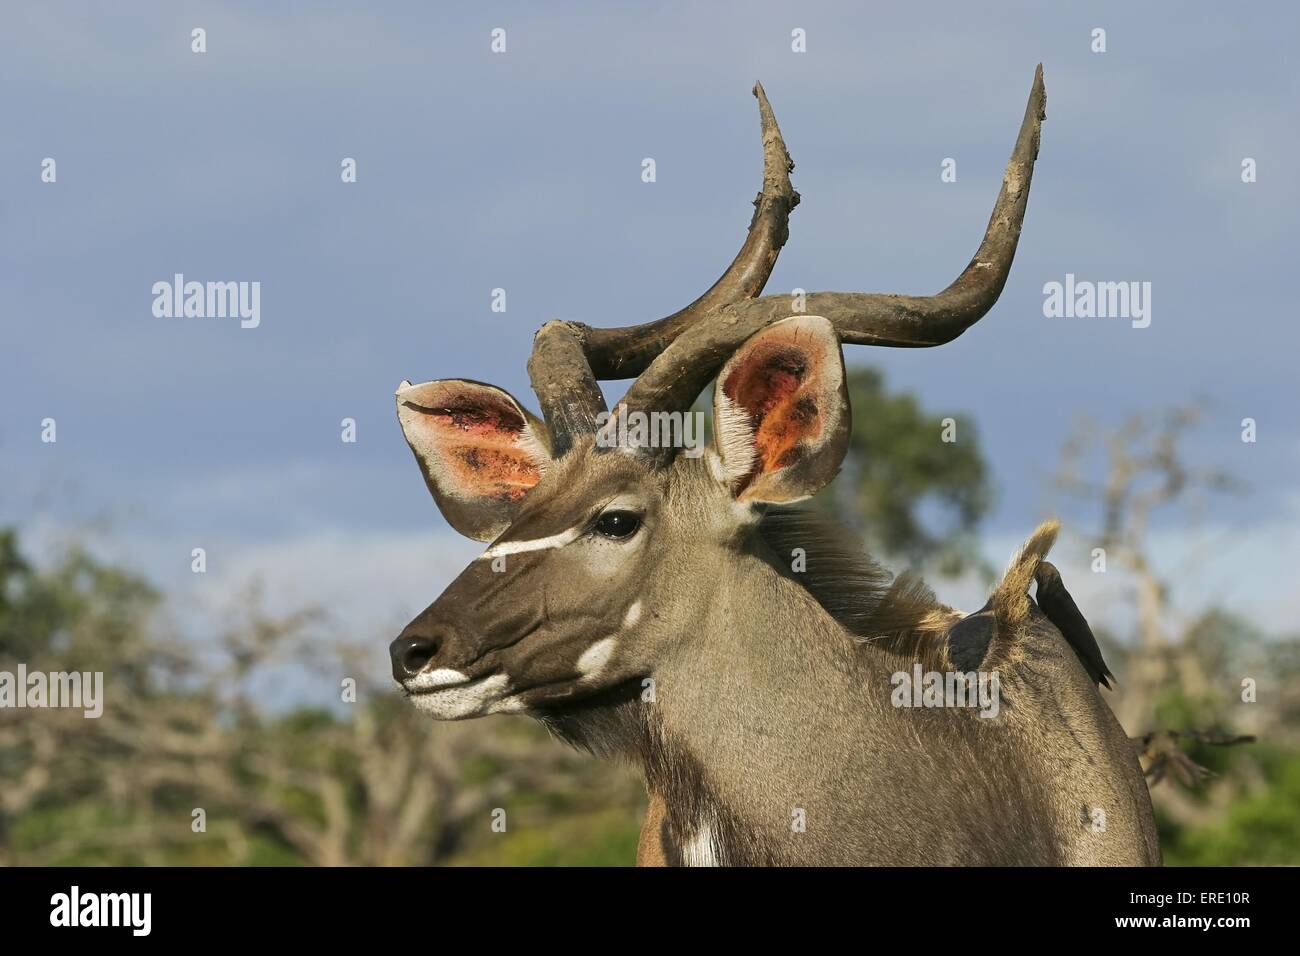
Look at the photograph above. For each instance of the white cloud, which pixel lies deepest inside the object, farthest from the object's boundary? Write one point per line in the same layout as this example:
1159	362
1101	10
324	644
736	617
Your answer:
366	581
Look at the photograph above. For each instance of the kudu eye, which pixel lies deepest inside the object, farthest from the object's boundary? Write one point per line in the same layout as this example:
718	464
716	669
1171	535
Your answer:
618	524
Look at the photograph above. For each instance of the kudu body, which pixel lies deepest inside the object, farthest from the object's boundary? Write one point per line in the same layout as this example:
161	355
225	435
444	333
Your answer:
645	605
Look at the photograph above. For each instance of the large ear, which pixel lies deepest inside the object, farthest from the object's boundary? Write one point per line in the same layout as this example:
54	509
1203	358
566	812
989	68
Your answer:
479	449
781	411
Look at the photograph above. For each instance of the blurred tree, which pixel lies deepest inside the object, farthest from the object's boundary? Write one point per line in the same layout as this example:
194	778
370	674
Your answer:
363	780
1224	806
911	495
1144	471
187	724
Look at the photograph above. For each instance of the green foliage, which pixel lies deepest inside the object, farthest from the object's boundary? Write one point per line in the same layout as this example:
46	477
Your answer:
278	788
82	602
1261	828
374	783
599	838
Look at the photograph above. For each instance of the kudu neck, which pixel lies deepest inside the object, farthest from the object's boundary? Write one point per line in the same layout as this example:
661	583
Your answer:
762	648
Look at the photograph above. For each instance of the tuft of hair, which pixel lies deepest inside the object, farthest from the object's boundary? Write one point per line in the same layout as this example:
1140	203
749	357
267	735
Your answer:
900	613
535	448
1011	597
735	432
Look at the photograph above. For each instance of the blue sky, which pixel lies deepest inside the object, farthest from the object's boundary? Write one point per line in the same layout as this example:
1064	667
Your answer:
522	171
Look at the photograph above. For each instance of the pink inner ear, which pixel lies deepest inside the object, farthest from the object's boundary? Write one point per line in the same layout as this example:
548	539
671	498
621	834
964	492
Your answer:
474	442
775	383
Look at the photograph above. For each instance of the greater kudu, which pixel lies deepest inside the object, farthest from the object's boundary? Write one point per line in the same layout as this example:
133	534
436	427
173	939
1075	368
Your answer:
643	604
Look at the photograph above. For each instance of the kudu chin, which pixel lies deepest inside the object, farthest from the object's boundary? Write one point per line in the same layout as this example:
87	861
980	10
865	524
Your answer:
788	701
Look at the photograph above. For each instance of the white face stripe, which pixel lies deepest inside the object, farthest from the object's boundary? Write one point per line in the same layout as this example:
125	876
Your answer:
594	658
537	544
633	614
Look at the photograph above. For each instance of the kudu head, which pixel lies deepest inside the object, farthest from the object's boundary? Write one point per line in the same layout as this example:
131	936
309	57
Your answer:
604	543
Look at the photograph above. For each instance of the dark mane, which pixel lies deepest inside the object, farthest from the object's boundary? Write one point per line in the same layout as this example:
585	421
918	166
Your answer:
619	723
900	613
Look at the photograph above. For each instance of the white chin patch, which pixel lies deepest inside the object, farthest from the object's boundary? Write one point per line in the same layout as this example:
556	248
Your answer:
509	705
458	701
442	677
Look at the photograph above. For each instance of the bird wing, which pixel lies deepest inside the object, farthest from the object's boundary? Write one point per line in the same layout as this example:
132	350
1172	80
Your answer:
1061	610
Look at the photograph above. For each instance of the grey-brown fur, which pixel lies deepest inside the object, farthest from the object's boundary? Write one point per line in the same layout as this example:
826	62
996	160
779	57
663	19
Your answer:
1011	790
765	703
753	694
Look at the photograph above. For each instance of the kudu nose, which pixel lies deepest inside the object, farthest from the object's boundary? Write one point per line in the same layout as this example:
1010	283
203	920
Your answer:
409	654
